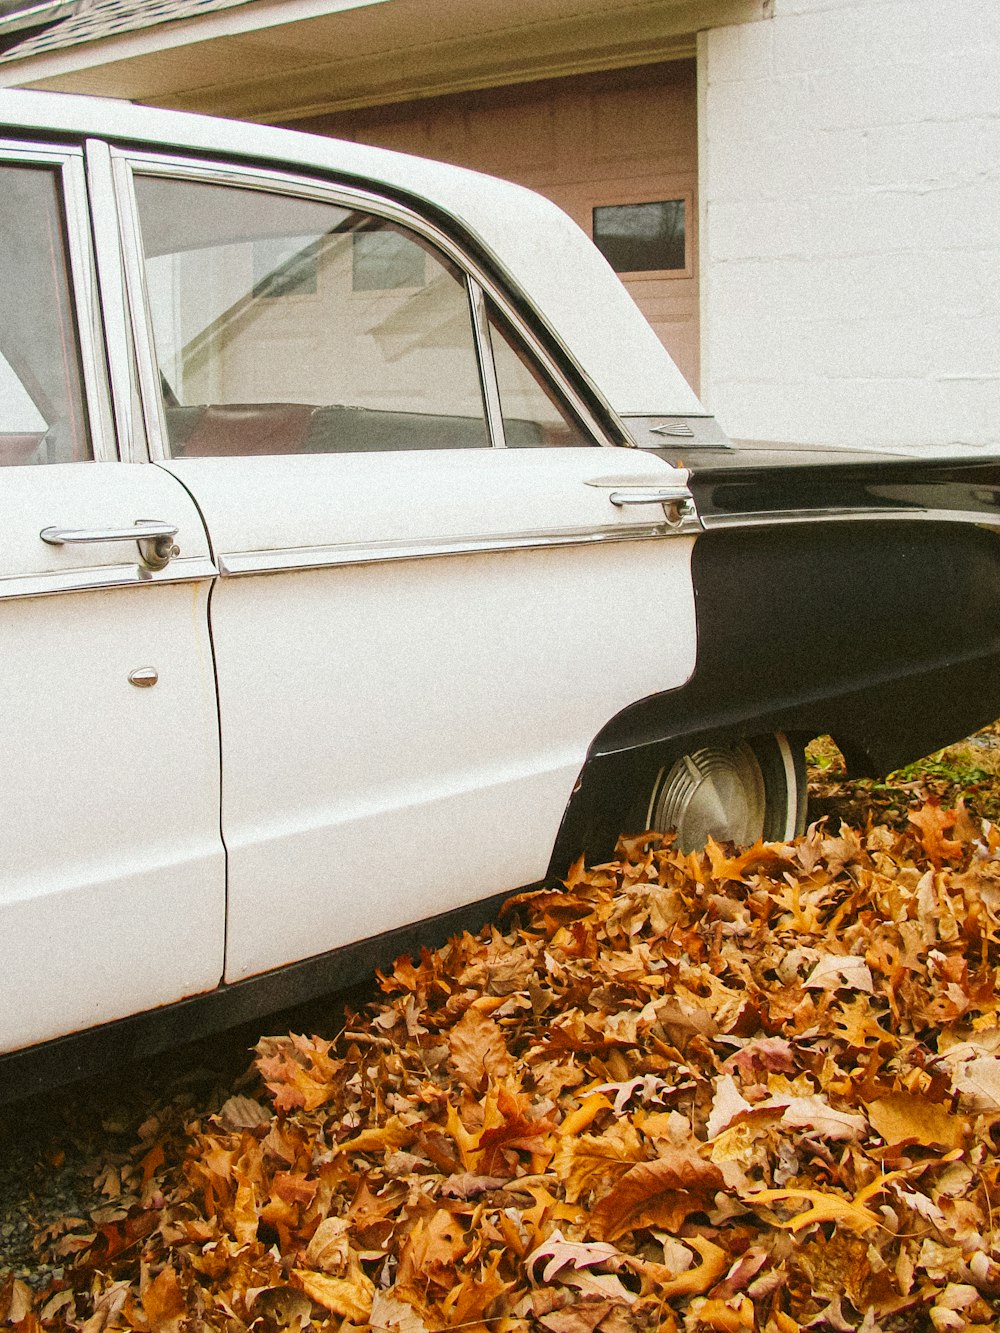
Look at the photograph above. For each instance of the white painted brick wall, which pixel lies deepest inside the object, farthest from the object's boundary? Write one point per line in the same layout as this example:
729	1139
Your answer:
850	228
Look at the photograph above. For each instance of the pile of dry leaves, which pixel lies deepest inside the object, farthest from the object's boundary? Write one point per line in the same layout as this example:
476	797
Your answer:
707	1091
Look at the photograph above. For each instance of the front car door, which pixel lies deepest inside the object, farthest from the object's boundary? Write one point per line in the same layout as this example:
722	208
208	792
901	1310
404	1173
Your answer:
112	887
428	603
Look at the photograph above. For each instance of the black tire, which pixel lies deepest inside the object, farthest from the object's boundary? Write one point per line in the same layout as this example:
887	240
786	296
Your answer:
738	793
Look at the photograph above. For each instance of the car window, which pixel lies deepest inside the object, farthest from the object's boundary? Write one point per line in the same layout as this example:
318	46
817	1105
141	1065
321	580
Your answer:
42	414
532	413
294	325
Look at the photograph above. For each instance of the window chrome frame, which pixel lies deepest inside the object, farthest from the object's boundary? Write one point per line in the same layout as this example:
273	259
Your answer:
127	164
84	295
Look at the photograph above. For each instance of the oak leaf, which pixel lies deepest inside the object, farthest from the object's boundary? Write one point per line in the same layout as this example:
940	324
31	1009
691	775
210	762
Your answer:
932	823
561	1253
825	1208
431	1252
478	1050
840	972
391	1315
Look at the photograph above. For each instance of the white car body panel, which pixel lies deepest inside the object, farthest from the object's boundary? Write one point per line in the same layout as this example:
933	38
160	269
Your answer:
112	874
361	691
400	717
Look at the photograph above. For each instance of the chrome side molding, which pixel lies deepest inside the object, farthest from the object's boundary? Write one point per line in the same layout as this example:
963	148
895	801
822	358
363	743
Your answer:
759	518
99	577
321	557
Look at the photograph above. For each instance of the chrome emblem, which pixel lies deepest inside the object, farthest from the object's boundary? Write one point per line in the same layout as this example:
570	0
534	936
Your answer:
678	429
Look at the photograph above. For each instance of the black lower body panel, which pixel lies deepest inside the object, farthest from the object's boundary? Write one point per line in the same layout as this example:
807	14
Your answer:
36	1068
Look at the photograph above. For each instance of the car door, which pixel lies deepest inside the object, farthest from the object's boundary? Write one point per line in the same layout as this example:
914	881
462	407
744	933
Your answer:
112	882
435	583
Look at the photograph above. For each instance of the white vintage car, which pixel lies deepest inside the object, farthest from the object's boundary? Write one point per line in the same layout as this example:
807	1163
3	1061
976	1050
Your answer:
363	556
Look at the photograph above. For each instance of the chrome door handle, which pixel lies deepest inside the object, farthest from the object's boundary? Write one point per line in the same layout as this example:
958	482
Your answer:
154	539
677	501
662	495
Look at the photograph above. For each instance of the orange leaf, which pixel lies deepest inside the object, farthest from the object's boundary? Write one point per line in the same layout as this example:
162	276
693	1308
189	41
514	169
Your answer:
932	822
595	1161
736	867
825	1208
584	1115
163	1302
660	1193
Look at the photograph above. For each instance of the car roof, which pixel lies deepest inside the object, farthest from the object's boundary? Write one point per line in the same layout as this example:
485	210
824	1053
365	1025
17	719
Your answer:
533	243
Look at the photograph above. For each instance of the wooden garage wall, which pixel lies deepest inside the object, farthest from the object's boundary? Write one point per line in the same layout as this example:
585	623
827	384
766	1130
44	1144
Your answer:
622	137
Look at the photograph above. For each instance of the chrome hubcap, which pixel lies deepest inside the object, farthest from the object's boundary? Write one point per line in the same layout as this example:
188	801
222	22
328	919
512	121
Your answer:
710	793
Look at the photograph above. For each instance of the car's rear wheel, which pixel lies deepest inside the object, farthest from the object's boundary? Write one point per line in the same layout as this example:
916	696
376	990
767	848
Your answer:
737	793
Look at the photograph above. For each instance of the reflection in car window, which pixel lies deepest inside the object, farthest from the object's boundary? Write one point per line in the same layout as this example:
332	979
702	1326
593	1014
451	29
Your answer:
42	414
532	415
291	325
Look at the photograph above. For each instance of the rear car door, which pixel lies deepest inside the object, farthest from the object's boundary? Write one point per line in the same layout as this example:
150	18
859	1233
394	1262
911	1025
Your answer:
434	584
112	886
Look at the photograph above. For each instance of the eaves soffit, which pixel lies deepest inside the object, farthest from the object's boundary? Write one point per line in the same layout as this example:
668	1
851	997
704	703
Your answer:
285	60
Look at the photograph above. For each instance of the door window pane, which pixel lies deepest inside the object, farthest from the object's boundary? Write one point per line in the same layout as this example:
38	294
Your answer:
42	414
640	238
532	413
289	325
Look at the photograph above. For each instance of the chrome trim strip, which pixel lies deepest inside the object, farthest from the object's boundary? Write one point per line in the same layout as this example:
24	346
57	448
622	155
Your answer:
20	150
86	298
487	364
771	517
321	557
260	178
103	577
111	280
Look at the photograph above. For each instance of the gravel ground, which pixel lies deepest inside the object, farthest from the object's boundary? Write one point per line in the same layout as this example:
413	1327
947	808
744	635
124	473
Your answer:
54	1147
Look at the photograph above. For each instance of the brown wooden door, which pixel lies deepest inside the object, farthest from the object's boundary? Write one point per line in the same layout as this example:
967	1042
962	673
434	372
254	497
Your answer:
587	141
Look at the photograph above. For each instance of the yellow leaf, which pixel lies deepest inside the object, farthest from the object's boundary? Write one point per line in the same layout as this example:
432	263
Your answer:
244	1215
578	1120
478	1050
393	1134
596	1161
696	1281
826	1208
905	1117
351	1297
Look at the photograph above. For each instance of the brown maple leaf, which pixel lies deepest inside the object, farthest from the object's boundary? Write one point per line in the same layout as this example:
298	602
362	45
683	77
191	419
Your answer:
163	1301
661	1193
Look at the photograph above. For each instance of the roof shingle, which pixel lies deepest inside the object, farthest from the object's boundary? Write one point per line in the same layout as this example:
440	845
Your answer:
96	20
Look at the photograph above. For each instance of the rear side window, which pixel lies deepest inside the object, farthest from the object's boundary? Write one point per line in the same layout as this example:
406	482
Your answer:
42	413
284	324
533	415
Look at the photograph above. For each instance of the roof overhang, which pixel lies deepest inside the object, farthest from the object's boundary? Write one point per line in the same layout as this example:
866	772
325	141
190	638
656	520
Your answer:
279	61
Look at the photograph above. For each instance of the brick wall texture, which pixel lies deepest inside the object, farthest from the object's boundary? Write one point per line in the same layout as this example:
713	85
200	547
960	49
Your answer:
850	196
